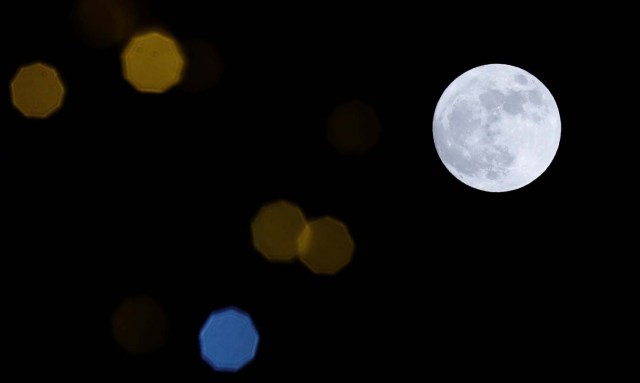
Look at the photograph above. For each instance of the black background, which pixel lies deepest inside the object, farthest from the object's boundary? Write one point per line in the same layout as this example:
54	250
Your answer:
122	193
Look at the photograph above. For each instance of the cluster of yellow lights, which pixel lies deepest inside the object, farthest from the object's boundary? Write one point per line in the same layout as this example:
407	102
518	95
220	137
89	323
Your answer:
353	127
37	91
153	62
139	324
282	234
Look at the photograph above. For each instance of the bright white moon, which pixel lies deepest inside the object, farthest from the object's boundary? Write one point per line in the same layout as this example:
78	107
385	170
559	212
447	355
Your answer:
496	128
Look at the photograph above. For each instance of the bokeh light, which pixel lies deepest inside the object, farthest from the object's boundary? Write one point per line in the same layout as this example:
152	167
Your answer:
140	324
204	65
153	62
228	340
275	230
326	246
353	127
104	23
37	91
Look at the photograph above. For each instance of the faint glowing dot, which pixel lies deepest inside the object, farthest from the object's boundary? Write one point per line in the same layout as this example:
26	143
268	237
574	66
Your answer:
152	62
325	246
139	324
228	340
204	66
105	23
353	127
37	91
275	230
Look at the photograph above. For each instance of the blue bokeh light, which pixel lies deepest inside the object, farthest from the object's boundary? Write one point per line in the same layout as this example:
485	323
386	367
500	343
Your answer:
228	339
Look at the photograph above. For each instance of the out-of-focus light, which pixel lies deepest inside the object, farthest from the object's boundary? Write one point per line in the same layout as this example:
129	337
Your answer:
105	23
353	127
228	340
326	246
204	65
140	324
153	62
275	230
37	91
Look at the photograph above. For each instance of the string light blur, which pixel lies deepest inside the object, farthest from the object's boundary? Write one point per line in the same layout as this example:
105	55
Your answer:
353	127
228	340
326	246
37	91
153	62
275	231
105	23
140	325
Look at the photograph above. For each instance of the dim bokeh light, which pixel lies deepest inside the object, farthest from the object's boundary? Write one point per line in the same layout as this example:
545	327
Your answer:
228	340
37	91
326	246
353	127
104	23
275	230
153	62
204	65
140	324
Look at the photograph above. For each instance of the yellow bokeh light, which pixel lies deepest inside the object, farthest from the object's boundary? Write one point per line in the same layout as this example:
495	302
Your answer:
139	324
204	66
152	62
37	91
275	230
353	127
325	246
104	23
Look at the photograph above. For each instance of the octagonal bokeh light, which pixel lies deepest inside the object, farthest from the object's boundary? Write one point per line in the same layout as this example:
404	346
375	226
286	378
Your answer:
353	127
326	246
37	91
275	230
140	324
228	340
153	62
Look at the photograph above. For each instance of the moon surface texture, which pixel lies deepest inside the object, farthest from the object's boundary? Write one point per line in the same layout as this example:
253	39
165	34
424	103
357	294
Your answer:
496	128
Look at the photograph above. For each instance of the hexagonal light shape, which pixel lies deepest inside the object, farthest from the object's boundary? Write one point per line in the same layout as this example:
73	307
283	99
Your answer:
326	246
153	62
275	231
228	340
37	91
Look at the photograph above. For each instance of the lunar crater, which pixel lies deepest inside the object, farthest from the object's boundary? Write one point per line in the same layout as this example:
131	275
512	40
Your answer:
501	127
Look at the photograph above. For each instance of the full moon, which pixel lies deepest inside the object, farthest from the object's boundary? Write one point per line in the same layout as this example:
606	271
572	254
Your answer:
496	128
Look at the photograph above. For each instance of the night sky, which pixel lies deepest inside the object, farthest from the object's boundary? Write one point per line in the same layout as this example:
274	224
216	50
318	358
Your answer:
123	193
